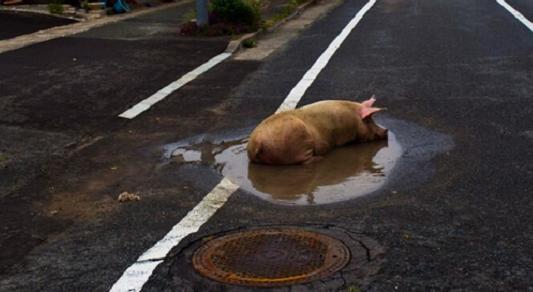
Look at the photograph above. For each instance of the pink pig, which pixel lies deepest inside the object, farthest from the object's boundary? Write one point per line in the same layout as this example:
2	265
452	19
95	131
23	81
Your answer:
307	133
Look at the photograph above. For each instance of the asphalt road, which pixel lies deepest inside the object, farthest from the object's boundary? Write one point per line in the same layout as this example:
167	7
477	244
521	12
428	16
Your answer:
15	23
456	213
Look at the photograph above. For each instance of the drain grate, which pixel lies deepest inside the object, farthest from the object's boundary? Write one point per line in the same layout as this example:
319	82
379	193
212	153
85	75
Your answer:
271	257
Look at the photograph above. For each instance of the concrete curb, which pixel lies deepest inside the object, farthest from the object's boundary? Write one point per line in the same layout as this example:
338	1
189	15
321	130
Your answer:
66	30
236	45
36	11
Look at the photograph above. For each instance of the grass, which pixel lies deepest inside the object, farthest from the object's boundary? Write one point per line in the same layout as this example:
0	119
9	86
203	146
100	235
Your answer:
287	10
189	16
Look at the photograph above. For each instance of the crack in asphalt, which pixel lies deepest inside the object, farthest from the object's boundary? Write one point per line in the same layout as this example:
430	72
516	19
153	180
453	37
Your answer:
366	248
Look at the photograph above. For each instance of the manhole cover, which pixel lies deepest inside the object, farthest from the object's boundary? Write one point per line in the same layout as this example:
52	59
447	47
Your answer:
271	257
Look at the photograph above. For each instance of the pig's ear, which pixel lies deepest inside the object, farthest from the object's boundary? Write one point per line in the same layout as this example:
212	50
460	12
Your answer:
366	112
369	102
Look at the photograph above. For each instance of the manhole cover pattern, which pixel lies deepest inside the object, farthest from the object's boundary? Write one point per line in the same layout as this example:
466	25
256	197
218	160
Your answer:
271	257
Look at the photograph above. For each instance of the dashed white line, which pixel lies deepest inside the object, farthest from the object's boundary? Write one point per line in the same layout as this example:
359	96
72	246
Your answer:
309	77
516	14
137	274
147	103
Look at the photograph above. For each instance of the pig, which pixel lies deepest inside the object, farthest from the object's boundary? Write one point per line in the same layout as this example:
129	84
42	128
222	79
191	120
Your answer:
304	135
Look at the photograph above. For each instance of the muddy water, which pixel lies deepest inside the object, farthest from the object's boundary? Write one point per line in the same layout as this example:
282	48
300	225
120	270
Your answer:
347	172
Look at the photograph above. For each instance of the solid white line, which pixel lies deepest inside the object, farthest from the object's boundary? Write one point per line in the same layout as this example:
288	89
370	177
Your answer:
516	14
309	77
137	274
145	104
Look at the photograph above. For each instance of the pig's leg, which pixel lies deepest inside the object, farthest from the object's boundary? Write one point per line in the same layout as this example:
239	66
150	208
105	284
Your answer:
312	159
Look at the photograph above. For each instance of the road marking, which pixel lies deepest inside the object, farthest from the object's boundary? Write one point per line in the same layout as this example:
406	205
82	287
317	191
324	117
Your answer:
137	274
309	77
147	103
516	14
133	279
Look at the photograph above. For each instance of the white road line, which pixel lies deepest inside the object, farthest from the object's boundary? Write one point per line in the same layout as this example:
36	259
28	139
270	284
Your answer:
137	274
147	103
309	77
516	14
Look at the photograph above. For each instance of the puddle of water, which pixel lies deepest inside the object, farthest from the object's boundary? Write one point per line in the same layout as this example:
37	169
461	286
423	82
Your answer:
345	173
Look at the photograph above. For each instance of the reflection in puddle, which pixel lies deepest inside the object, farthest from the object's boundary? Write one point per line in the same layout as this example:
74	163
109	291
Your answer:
345	173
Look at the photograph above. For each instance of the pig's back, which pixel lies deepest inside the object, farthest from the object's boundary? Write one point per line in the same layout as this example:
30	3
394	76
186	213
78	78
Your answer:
333	121
281	139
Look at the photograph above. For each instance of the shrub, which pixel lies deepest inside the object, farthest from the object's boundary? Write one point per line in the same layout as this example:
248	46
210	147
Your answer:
244	12
55	7
249	43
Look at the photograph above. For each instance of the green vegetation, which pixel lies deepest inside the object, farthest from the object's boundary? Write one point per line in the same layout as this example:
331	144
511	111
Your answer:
85	5
227	17
353	289
56	7
234	17
189	15
287	10
3	160
245	12
249	43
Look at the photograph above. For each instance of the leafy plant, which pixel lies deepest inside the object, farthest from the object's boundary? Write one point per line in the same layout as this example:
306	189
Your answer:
55	7
85	5
237	11
249	43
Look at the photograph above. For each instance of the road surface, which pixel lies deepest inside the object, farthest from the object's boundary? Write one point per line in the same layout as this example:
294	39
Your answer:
456	77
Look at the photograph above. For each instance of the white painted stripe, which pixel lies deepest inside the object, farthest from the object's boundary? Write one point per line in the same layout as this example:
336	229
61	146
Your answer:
516	14
309	77
147	103
136	275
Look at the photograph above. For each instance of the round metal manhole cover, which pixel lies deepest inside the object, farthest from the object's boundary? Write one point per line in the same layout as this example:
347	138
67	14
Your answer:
270	257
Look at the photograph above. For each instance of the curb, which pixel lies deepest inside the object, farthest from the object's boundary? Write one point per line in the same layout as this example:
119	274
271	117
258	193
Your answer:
79	27
16	9
235	45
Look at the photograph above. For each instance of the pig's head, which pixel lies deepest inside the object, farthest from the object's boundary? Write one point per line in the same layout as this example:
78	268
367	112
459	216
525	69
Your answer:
281	139
372	130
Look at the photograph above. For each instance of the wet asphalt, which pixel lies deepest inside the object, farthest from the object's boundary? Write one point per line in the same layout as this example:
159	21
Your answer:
455	214
15	23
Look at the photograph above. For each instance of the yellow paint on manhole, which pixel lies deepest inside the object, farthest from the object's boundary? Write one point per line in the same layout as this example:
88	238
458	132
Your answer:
270	257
